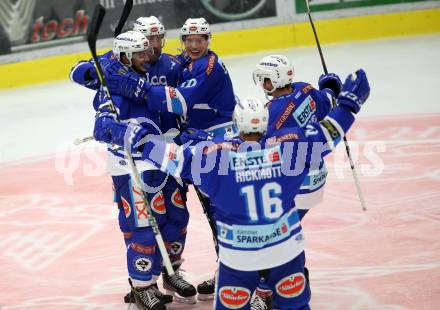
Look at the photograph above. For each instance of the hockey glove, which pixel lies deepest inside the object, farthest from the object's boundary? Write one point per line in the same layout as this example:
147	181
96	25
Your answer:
330	81
195	135
103	121
184	59
129	85
112	66
128	135
355	91
111	131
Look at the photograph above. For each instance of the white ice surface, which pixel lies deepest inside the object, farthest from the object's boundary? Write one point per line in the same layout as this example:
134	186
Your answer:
404	75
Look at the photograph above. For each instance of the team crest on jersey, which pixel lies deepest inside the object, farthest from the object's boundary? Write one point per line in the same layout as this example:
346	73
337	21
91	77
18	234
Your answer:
158	203
291	286
143	264
233	297
305	111
126	206
176	248
176	199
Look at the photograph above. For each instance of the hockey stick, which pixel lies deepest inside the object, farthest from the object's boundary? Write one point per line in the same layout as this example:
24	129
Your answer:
79	141
124	16
122	20
98	16
347	147
204	202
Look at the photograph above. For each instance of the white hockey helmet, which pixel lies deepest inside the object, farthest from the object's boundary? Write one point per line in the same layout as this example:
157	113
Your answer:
149	26
195	26
277	69
130	42
250	116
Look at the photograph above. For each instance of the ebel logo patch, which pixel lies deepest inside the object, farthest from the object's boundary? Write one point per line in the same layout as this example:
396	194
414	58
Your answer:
256	159
234	297
305	111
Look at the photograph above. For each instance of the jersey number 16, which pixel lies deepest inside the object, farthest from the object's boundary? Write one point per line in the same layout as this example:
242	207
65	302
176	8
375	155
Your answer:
268	201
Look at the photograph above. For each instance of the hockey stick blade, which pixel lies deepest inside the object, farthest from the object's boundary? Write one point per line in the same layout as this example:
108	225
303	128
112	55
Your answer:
308	7
79	141
124	16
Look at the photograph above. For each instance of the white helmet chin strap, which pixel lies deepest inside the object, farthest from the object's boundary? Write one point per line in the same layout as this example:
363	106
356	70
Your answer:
270	91
129	57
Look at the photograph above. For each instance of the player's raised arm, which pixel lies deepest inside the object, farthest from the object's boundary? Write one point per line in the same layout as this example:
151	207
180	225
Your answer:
84	72
334	126
176	100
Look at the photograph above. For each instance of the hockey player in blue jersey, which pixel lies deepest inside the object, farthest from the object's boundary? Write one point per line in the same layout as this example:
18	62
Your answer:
160	69
295	104
204	97
252	181
165	70
144	262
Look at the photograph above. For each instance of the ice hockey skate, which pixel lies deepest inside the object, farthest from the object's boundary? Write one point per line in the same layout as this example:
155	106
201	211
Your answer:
206	290
145	298
262	300
262	297
164	298
179	288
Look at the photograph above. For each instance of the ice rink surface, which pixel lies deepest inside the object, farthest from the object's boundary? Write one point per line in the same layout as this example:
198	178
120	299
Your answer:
60	243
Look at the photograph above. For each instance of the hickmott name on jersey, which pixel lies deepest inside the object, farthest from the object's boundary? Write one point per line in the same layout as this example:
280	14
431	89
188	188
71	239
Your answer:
304	105
204	96
252	186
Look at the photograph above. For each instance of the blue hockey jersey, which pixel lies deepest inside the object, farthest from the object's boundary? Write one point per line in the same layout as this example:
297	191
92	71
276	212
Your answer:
165	71
204	96
302	106
252	186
